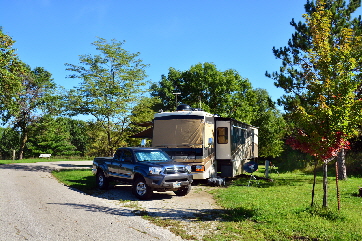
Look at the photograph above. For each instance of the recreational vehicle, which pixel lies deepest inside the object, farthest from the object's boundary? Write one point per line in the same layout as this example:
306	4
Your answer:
213	146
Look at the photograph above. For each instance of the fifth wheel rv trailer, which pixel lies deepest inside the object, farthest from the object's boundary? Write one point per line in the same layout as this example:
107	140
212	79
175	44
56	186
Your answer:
212	145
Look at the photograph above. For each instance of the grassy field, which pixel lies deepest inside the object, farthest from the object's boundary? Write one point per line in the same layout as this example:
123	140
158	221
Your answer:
33	160
278	210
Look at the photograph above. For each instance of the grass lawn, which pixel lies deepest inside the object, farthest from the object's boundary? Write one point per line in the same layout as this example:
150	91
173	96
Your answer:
33	160
278	210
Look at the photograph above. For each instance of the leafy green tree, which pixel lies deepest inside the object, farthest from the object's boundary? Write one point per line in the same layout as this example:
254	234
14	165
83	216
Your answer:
11	71
32	101
51	135
227	94
79	138
25	94
272	126
111	83
142	113
9	141
224	93
291	76
320	74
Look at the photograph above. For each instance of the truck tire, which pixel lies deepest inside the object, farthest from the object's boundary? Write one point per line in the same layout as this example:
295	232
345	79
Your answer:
101	180
141	190
183	191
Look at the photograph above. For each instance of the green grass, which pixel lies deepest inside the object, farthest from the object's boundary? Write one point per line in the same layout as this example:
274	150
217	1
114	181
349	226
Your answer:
33	160
278	210
81	179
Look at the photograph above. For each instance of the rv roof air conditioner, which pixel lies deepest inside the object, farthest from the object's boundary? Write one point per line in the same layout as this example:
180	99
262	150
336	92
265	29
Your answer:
183	107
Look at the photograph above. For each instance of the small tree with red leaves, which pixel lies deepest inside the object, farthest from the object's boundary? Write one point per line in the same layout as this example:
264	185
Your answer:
321	76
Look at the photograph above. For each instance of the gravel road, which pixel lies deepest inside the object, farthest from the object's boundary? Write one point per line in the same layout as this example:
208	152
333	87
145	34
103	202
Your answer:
35	206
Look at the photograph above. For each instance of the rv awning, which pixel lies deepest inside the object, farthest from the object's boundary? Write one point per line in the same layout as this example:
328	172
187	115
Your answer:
148	133
144	124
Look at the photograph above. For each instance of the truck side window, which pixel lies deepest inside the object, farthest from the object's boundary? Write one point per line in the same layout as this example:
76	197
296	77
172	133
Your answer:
127	156
222	135
117	155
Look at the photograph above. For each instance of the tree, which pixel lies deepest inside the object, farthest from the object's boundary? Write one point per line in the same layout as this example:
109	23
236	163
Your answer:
290	77
319	73
51	135
111	85
226	94
9	141
11	70
79	137
25	93
142	113
32	101
272	126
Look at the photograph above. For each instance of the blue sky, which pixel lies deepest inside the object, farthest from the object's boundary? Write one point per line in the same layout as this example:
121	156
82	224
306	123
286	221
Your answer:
233	34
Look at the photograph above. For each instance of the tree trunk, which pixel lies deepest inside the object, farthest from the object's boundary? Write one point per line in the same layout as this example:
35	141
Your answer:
314	181
342	169
109	140
23	140
325	184
109	137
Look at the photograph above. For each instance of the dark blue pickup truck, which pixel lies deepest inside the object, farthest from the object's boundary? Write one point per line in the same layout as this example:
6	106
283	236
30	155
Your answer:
146	169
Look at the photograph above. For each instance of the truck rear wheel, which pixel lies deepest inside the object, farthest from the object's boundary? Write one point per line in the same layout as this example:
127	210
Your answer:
183	191
141	190
102	181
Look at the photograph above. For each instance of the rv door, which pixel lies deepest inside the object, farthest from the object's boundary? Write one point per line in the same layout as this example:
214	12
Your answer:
223	140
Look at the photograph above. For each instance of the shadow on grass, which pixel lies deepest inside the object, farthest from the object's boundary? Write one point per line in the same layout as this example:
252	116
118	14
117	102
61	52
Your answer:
238	214
247	180
323	212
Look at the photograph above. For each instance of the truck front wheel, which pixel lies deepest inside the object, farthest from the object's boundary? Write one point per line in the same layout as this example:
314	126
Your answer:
102	181
141	190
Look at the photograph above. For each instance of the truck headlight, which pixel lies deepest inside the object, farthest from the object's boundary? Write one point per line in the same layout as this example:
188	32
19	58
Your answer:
188	168
155	170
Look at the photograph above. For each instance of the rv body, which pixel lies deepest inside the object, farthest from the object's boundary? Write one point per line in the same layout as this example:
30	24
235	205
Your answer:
212	145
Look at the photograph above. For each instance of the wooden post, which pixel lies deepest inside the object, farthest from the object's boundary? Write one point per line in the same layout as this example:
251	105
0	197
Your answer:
13	155
266	168
338	196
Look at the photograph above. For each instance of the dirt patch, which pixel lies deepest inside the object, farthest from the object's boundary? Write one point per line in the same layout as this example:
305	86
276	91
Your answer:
192	216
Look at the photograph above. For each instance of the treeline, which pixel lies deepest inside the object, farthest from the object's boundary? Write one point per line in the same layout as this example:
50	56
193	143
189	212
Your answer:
41	117
59	136
322	103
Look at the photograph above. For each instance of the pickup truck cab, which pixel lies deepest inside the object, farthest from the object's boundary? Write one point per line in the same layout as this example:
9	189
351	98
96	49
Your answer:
147	169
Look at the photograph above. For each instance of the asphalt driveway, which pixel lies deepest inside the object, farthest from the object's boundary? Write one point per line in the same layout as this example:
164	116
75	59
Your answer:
35	206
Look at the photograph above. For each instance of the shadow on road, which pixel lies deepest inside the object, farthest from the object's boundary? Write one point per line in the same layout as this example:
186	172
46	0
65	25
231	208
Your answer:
48	166
169	213
96	208
194	206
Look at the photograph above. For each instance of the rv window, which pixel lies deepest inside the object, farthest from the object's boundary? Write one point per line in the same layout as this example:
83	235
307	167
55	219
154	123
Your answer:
222	135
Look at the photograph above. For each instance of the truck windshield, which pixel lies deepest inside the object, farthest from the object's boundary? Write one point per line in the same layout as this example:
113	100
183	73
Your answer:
143	156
